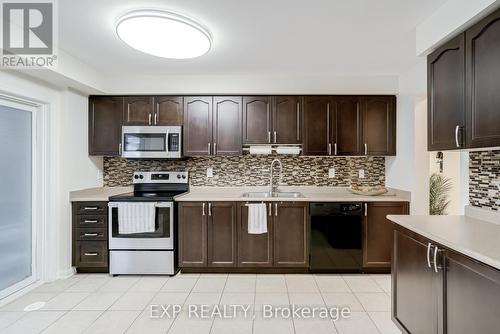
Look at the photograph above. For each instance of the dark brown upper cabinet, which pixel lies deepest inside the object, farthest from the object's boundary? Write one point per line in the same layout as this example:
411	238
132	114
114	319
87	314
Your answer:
105	125
197	134
193	234
286	119
221	234
378	232
291	234
346	119
317	126
227	125
482	45
446	96
256	120
212	125
378	125
168	110
138	110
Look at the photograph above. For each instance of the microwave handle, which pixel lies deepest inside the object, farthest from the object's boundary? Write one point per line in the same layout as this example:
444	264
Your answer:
166	141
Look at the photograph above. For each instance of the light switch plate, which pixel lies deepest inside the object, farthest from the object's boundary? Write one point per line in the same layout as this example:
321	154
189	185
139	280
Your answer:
210	172
361	173
331	172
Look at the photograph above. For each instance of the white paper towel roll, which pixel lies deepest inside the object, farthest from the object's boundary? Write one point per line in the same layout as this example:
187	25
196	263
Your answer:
288	150
260	150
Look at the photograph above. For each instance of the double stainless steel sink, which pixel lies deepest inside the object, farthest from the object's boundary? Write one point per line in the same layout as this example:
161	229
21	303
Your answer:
275	194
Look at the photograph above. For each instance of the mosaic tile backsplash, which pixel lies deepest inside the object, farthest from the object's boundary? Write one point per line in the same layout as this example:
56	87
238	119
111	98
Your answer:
484	179
251	170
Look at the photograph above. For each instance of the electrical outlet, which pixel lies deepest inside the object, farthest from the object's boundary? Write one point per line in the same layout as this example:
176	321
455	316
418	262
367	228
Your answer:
331	172
210	172
361	173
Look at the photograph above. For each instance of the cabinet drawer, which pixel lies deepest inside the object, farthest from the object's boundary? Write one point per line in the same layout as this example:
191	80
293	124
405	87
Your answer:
91	254
91	208
91	221
98	234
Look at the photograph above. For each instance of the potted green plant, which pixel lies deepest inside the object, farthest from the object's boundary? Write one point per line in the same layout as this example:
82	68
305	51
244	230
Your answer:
439	189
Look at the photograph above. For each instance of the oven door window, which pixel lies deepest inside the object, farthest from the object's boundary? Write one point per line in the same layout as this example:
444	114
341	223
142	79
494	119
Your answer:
144	142
162	225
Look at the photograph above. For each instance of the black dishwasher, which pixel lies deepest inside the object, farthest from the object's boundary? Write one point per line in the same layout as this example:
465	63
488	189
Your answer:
336	237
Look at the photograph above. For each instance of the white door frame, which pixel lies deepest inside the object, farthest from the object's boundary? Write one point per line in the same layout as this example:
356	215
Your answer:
39	187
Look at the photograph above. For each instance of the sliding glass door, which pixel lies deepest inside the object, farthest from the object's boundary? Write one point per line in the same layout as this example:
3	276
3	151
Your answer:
16	197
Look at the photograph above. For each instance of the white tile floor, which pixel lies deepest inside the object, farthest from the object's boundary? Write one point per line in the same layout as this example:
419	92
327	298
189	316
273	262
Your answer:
98	303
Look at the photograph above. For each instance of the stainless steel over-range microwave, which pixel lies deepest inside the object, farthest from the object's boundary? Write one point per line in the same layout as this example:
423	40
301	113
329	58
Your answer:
155	142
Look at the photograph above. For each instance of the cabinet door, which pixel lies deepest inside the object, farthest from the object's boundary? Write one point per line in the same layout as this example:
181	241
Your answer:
197	126
254	250
138	110
415	302
378	125
317	126
192	234
256	120
227	126
446	95
169	110
286	119
483	79
346	127
291	234
378	232
222	218
476	287
105	125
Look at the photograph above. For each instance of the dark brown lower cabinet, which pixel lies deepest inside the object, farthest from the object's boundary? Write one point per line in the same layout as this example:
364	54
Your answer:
377	232
472	296
192	234
221	234
438	290
254	250
291	234
90	236
415	286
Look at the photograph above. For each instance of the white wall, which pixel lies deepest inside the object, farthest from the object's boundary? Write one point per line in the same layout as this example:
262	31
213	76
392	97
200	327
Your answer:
450	19
420	192
68	166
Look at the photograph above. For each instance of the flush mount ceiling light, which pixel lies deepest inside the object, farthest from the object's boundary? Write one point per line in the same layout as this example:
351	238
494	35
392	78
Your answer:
163	34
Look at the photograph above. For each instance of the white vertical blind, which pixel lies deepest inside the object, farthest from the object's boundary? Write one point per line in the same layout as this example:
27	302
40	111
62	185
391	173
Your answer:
15	196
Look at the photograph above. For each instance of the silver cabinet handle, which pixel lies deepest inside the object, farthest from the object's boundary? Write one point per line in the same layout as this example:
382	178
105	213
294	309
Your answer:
215	148
90	221
275	136
120	149
366	209
276	209
91	254
429	245
210	209
270	210
329	149
209	149
436	249
335	149
457	128
269	136
366	149
90	208
156	118
203	209
90	234
149	118
298	121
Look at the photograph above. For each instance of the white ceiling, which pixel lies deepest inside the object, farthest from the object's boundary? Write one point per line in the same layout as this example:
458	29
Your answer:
271	37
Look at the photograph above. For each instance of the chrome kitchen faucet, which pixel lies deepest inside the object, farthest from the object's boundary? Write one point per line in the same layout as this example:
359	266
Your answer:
272	188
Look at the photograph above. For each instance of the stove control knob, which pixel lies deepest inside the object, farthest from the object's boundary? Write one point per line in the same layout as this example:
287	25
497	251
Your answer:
178	176
141	176
183	176
136	176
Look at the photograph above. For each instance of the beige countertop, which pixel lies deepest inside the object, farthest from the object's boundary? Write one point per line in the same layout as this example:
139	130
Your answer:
478	239
100	194
311	194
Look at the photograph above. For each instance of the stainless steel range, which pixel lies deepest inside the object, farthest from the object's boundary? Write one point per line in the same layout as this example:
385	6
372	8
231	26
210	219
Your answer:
142	225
